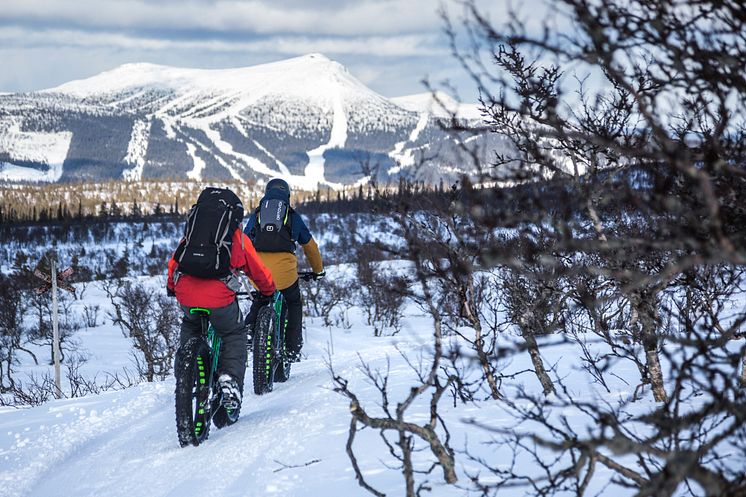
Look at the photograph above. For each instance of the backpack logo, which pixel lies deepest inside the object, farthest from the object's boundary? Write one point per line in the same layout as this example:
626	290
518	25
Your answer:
270	227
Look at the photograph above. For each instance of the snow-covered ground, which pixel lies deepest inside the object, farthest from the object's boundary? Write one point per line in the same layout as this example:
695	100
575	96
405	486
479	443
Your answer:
290	442
124	443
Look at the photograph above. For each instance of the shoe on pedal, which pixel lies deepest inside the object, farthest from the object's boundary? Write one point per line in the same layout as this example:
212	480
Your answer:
231	394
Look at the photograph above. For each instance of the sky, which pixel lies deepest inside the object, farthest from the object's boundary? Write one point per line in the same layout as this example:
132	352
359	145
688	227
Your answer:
390	45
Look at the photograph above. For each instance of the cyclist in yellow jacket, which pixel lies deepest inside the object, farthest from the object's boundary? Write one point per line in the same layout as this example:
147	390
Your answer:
274	228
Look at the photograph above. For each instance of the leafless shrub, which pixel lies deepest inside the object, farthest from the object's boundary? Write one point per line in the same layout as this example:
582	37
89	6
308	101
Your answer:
151	321
380	293
90	314
12	330
329	300
631	185
613	219
36	389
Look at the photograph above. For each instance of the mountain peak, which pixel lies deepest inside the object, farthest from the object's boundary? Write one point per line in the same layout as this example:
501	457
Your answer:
307	74
316	56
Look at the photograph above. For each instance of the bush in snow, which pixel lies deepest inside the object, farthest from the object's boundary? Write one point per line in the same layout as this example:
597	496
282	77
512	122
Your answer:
151	320
380	294
12	330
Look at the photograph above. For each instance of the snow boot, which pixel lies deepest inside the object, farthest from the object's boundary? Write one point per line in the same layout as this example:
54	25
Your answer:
231	398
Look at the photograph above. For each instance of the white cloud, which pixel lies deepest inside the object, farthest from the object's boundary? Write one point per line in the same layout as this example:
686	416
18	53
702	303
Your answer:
397	45
380	17
389	44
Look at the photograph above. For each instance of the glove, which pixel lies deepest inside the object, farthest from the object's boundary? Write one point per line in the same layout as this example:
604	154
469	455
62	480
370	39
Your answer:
318	276
266	299
170	292
261	298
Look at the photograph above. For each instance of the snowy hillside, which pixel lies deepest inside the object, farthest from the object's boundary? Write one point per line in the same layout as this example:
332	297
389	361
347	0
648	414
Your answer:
307	119
438	104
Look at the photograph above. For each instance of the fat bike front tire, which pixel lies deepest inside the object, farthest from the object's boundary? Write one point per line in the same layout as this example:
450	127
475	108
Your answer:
192	371
264	351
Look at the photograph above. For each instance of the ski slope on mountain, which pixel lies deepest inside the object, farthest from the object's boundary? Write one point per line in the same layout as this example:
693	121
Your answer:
201	98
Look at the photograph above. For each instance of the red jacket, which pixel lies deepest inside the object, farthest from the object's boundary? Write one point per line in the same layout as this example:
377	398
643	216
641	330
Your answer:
211	293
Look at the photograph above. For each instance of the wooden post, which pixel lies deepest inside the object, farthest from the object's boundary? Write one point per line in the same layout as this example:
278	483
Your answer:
55	333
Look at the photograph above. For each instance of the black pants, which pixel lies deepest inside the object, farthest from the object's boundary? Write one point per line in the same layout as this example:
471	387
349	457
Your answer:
294	314
229	325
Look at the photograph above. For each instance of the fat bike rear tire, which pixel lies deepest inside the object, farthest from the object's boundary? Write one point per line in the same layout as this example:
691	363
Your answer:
282	370
193	392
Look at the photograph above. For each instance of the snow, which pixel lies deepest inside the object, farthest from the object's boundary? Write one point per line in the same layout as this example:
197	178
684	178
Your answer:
136	149
31	146
312	77
406	158
290	442
202	97
318	97
438	104
129	436
199	164
315	168
227	149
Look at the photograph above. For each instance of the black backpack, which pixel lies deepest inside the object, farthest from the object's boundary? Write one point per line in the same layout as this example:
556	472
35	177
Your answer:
273	229
205	251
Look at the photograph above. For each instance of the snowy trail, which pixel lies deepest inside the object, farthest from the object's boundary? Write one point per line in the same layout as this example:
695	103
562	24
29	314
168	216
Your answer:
124	443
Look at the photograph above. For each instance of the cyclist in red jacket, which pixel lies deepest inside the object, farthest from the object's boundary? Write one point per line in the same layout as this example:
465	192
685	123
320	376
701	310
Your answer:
219	296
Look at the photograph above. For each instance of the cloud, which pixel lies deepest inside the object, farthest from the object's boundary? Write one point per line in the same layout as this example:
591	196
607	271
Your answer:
389	44
395	46
366	18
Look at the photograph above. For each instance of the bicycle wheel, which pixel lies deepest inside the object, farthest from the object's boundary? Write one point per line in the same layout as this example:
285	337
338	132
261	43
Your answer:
193	361
263	353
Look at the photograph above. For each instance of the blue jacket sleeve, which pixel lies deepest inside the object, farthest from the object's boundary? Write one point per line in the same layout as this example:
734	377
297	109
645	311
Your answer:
250	226
300	230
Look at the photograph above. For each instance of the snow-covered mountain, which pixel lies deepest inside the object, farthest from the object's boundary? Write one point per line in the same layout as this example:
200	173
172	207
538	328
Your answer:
307	119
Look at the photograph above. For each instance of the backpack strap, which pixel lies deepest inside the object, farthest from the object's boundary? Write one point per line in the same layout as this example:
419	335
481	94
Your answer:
289	221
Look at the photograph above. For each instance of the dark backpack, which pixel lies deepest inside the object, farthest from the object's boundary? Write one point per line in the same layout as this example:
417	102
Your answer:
205	251
273	229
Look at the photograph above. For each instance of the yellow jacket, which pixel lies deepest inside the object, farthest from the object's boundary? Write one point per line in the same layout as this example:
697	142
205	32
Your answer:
284	265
